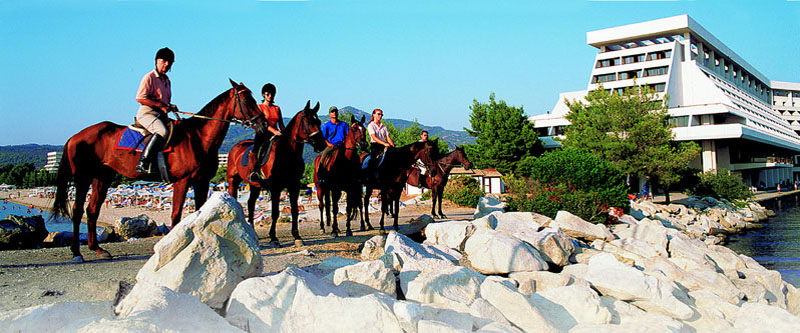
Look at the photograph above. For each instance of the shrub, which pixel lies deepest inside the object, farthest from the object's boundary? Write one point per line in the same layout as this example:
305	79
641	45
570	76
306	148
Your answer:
721	184
426	195
568	179
463	191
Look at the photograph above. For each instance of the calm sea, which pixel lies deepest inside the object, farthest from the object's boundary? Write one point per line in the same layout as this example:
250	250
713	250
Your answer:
777	245
59	224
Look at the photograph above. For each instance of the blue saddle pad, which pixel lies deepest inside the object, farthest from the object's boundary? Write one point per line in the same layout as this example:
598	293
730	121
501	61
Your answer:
129	138
245	160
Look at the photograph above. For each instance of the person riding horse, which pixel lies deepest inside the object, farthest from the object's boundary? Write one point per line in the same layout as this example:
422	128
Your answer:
274	128
154	95
334	132
381	141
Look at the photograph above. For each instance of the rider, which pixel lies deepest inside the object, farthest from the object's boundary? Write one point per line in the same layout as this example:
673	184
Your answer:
274	118
423	136
334	132
154	94
381	141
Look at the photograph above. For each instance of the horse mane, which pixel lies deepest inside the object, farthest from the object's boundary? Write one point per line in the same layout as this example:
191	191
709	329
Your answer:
207	110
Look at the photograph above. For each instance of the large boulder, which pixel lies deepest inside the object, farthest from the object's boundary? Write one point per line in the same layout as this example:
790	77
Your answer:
516	307
365	278
451	233
399	249
493	252
160	309
206	255
57	317
297	301
487	205
136	227
440	284
520	222
572	305
373	248
754	317
554	245
21	232
615	279
578	228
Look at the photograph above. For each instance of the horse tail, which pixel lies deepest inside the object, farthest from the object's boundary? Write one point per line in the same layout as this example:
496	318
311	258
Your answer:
63	176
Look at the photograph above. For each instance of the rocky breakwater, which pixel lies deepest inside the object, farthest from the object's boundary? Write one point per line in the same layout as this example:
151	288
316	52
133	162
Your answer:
502	272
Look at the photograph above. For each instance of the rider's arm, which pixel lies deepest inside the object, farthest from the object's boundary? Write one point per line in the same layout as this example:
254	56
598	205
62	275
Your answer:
375	139
154	104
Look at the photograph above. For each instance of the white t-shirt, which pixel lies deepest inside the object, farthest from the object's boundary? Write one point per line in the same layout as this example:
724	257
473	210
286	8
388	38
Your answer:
379	130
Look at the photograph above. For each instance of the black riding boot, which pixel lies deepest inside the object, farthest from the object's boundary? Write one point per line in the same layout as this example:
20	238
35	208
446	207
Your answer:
155	144
256	175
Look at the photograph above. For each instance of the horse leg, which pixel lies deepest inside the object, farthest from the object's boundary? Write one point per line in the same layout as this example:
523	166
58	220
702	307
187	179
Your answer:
99	192
349	212
321	206
200	193
294	193
384	209
335	196
81	188
365	213
327	197
178	199
396	213
275	195
433	202
439	196
251	204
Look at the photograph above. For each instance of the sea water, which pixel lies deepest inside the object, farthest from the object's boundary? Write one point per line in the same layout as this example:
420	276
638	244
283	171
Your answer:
59	223
777	245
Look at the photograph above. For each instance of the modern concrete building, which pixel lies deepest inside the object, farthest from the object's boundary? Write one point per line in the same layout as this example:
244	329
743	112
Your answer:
743	121
53	159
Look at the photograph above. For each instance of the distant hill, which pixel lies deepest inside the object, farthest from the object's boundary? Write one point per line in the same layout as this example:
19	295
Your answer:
30	153
37	154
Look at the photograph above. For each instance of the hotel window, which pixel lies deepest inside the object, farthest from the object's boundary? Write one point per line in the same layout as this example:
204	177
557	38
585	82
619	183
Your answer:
680	121
607	62
605	78
668	54
656	71
659	87
629	75
633	59
657	55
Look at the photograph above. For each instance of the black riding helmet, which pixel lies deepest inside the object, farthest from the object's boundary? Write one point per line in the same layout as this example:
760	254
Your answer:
166	54
269	87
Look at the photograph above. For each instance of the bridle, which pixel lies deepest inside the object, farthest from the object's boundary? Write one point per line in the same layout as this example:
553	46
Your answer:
248	121
308	137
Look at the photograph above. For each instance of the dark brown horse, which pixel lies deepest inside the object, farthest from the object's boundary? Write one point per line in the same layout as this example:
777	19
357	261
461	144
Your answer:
286	163
90	158
436	179
392	175
341	173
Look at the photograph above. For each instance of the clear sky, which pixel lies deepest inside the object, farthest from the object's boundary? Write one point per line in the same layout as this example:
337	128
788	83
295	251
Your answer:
65	65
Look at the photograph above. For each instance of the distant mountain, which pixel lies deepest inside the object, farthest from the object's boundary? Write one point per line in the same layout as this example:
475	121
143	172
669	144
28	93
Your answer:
30	153
37	154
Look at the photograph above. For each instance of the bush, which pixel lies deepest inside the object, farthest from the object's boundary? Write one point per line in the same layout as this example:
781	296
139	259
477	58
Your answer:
721	184
463	191
568	179
426	195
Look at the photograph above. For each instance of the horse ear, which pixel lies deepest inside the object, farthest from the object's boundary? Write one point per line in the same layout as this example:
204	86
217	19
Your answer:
308	105
316	108
363	118
232	82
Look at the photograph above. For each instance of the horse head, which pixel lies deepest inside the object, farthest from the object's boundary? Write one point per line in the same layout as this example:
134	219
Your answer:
245	108
309	127
358	132
460	156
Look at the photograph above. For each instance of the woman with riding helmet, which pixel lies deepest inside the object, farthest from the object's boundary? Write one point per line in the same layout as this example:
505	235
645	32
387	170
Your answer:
275	125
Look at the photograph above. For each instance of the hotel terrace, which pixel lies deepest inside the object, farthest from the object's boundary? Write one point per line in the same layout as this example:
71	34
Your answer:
743	121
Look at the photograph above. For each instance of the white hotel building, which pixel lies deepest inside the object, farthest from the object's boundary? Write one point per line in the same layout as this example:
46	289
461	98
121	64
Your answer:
743	121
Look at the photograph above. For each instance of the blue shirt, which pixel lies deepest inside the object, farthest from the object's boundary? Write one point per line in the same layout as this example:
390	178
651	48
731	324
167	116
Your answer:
334	133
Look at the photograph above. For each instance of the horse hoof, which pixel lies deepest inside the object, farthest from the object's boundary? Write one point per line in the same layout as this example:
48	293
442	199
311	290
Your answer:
275	244
334	234
370	228
298	243
104	255
348	233
442	216
322	231
77	259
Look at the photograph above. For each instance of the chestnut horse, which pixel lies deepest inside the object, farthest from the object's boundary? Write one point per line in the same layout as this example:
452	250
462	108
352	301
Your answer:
392	175
436	179
90	158
341	173
286	163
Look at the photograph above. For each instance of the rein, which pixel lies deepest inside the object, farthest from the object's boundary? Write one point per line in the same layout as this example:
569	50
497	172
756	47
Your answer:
248	122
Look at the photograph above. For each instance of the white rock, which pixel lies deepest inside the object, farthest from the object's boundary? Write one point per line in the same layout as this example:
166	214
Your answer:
408	314
487	205
554	245
335	262
481	308
691	249
492	252
613	278
417	225
158	307
400	249
654	235
516	222
772	282
207	254
755	317
488	221
578	228
56	317
450	233
517	308
373	248
715	313
640	247
438	284
297	301
434	326
140	226
499	328
365	278
531	282
571	305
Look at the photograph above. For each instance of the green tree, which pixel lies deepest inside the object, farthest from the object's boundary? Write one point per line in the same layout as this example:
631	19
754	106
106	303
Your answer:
503	135
632	131
221	176
407	135
308	175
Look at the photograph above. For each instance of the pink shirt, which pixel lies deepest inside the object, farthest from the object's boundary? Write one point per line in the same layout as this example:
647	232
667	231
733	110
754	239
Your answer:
155	87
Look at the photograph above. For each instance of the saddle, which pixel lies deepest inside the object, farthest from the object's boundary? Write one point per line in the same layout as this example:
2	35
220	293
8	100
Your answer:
134	138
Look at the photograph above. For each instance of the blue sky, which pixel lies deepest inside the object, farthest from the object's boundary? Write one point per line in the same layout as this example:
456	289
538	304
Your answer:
66	65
